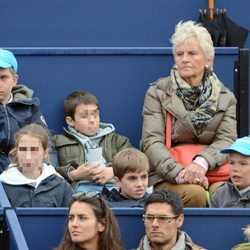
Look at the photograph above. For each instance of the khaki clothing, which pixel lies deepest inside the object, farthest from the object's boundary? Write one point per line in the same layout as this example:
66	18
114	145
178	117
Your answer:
184	242
71	153
219	133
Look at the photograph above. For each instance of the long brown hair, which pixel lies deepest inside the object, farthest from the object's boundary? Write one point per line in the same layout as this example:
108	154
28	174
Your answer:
110	238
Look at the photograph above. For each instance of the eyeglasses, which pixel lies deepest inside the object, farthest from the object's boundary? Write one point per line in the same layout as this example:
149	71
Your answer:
90	194
160	218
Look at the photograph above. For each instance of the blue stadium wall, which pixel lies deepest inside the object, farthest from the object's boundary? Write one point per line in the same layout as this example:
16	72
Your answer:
38	30
112	23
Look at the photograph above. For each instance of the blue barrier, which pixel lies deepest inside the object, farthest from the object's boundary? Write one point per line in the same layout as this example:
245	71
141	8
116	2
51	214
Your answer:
13	233
16	236
118	76
207	227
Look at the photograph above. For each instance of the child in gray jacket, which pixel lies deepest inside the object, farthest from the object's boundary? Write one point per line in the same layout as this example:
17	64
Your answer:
236	191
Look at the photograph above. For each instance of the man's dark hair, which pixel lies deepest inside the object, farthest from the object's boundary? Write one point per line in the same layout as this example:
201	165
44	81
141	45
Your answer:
165	196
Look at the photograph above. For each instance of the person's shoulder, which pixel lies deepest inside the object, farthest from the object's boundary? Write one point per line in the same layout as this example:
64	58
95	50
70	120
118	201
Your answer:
64	139
112	195
161	80
126	204
59	181
22	92
227	91
117	138
162	83
118	135
222	189
159	88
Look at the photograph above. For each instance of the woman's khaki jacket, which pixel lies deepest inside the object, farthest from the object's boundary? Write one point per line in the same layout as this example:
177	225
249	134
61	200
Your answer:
220	132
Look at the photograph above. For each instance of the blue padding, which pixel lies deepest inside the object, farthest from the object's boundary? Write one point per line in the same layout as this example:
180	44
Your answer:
42	228
118	76
4	201
16	237
207	227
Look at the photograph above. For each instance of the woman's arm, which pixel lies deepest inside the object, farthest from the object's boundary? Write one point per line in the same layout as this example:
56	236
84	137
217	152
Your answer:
153	136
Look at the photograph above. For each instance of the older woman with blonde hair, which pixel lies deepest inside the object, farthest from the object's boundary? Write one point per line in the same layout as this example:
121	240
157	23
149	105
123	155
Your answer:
203	112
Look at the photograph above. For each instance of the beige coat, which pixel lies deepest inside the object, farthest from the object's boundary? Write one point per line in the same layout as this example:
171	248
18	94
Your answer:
220	132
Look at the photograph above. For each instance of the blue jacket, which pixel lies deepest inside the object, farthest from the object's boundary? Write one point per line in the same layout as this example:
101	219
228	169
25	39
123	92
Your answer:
116	199
23	110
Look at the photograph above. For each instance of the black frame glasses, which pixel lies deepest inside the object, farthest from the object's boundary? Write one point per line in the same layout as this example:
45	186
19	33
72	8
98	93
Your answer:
160	218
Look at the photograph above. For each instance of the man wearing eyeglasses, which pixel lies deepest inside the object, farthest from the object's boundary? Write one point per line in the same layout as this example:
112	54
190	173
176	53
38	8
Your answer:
163	216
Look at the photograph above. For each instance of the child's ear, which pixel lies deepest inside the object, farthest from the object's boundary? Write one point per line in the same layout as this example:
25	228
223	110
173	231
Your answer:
70	121
117	181
15	79
46	153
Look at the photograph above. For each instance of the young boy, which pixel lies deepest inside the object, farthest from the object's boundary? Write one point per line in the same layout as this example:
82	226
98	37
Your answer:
18	108
236	191
87	147
131	168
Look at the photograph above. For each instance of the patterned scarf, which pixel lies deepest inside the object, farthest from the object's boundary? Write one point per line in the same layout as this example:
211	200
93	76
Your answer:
201	101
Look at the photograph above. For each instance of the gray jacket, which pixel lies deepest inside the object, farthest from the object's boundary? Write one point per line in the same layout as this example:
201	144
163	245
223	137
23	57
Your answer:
220	132
227	195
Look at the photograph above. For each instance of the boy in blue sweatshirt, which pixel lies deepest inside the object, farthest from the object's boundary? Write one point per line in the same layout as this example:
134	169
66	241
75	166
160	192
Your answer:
131	168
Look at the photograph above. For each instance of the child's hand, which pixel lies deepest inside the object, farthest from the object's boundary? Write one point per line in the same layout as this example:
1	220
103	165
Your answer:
95	170
101	174
81	173
106	175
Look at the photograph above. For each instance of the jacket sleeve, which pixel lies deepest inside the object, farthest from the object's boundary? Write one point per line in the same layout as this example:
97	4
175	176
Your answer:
154	136
225	135
68	192
70	155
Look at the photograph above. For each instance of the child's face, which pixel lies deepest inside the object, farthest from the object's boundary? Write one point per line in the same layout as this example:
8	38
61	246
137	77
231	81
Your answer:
7	82
133	184
239	170
30	153
86	119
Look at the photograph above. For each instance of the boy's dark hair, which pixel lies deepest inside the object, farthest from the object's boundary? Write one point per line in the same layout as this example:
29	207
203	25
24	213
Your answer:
165	196
75	98
129	160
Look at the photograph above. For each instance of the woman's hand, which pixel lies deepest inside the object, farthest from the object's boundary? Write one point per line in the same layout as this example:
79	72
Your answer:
194	174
